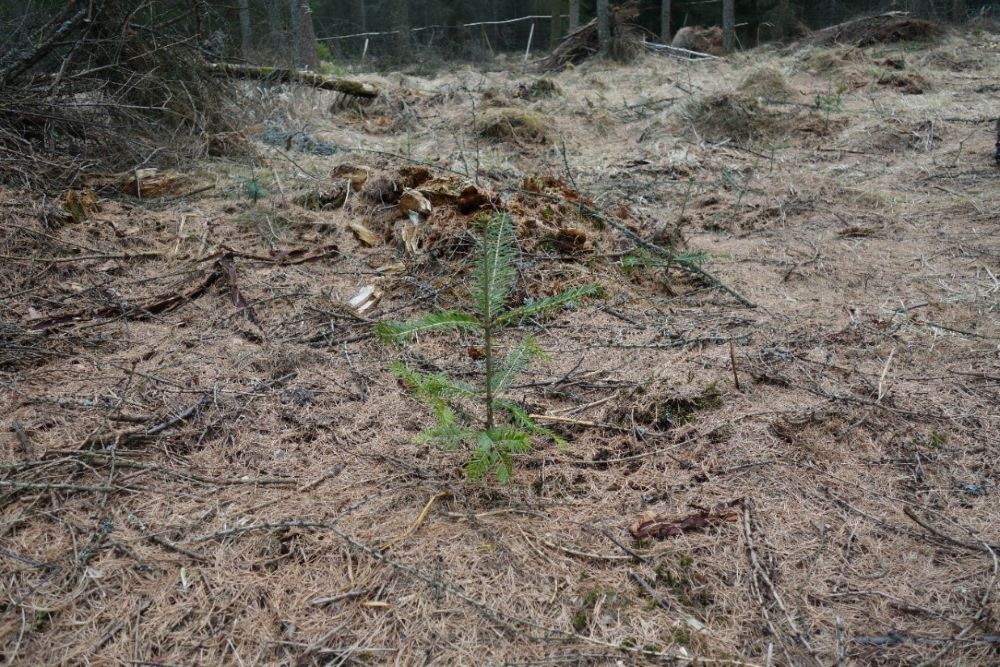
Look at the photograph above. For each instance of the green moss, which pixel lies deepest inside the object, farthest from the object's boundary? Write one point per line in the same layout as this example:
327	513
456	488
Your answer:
710	397
680	635
41	620
676	577
543	87
938	439
514	124
664	414
580	621
595	595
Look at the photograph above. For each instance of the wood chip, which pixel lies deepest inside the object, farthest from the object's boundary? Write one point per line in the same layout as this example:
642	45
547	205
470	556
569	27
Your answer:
364	234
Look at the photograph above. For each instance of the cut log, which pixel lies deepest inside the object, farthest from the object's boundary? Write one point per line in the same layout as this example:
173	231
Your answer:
304	77
151	183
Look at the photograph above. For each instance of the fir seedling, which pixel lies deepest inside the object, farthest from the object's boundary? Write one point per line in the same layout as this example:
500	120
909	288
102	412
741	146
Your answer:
506	428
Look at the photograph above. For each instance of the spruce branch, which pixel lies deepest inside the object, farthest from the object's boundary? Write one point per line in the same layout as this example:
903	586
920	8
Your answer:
397	332
549	304
494	273
516	361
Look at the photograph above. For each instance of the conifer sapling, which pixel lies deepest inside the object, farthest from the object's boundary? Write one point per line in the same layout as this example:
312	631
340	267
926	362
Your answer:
505	428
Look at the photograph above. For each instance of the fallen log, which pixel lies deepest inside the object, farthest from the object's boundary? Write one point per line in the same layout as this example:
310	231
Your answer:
304	77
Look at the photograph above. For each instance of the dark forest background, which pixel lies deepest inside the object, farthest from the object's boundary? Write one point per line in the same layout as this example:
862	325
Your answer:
404	31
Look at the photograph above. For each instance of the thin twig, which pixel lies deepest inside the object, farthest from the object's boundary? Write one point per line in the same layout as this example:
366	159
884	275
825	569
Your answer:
416	524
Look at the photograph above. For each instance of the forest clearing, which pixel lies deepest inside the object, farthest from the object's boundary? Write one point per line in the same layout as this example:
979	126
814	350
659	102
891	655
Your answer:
750	319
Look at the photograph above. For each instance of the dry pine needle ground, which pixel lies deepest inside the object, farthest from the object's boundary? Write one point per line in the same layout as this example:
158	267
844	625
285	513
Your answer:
199	486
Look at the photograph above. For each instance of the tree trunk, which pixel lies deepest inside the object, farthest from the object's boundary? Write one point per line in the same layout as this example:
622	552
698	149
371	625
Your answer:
294	24
958	11
363	15
557	31
728	25
920	9
303	37
276	24
399	17
665	34
310	58
603	27
785	19
198	15
574	15
246	30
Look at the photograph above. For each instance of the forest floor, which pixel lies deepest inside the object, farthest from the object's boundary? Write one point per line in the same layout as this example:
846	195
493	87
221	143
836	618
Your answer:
206	459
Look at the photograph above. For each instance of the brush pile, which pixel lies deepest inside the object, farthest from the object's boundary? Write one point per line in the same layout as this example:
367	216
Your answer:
582	44
884	29
99	87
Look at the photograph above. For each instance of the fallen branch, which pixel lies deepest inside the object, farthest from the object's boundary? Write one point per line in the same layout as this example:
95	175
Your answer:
27	449
166	544
13	64
653	525
306	78
160	304
44	486
982	546
80	258
225	262
281	257
125	437
683	263
761	575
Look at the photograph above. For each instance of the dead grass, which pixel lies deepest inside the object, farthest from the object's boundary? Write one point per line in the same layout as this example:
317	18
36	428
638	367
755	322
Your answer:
199	486
767	83
734	117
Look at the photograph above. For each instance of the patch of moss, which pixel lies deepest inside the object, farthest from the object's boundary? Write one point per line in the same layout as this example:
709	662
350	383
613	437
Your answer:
680	635
264	220
542	88
506	123
596	594
677	578
41	620
710	397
